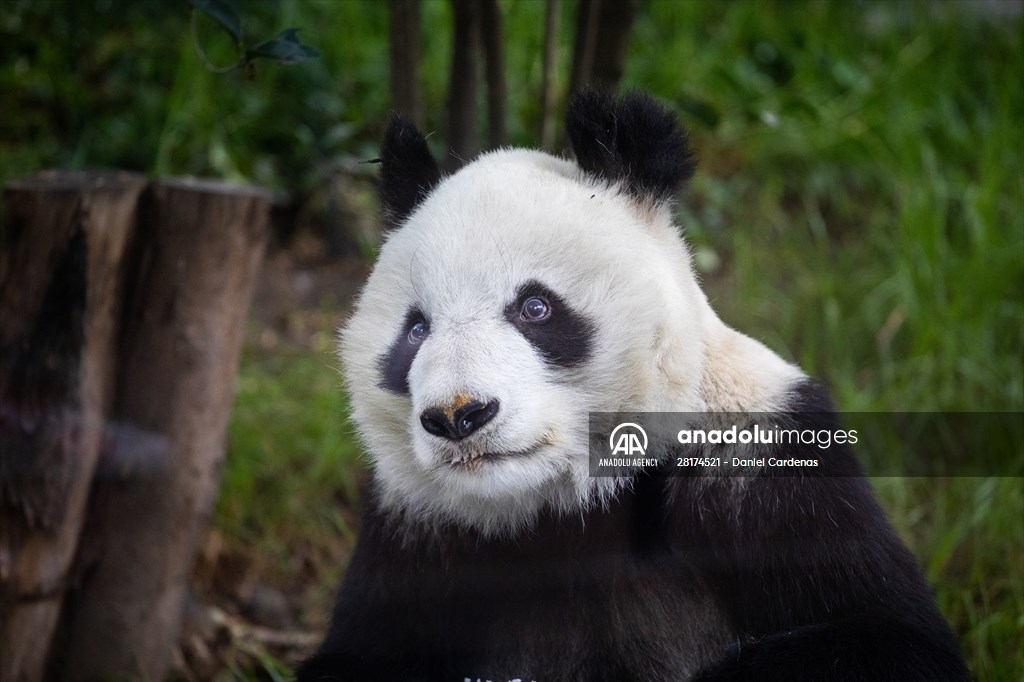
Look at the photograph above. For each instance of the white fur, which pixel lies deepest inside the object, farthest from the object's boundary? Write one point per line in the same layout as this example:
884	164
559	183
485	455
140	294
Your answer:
509	217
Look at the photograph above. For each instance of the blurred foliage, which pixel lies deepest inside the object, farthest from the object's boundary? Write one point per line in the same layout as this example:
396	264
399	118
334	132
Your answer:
284	49
860	208
862	182
119	83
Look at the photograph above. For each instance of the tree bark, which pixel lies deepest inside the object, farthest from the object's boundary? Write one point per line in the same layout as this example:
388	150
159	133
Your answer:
603	29
404	40
615	25
493	41
552	13
587	12
64	237
463	141
198	250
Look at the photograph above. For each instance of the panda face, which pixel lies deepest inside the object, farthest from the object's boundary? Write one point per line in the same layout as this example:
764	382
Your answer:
516	297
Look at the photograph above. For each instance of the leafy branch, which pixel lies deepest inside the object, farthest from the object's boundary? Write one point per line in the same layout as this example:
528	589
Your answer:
285	48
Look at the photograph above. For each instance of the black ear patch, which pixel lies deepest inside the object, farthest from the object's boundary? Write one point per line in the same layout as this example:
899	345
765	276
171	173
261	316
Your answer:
408	171
633	140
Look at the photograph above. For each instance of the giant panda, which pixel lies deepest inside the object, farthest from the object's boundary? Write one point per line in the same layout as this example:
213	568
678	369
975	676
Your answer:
509	300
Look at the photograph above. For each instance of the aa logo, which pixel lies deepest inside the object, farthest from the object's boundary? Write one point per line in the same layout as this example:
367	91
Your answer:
628	439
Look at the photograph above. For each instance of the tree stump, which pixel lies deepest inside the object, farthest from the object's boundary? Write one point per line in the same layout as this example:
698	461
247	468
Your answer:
199	248
62	243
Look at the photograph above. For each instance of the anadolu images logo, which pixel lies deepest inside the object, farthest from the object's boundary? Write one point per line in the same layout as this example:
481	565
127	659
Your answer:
628	439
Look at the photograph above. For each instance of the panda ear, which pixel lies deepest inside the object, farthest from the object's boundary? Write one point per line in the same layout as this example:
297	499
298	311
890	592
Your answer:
408	171
633	140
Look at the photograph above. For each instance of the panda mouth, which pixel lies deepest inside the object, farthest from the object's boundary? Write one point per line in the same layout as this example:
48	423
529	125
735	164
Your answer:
473	461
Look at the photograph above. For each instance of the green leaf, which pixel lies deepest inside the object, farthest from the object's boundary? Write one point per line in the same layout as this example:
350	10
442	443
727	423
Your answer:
221	12
285	48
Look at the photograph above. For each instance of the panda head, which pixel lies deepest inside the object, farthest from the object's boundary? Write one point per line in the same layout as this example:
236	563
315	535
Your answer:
511	298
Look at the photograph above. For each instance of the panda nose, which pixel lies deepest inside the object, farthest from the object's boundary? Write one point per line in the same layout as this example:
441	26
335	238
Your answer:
457	423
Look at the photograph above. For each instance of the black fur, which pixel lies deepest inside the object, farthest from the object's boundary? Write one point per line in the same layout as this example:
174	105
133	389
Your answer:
565	339
408	171
395	364
632	140
783	578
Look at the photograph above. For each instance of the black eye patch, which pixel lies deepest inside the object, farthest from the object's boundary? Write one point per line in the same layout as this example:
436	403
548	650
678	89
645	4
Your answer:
394	365
563	336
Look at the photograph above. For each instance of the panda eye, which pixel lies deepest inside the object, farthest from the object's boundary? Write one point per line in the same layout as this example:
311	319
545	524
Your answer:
535	309
418	332
395	363
563	337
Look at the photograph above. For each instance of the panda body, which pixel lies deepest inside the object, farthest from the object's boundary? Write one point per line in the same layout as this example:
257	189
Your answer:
509	300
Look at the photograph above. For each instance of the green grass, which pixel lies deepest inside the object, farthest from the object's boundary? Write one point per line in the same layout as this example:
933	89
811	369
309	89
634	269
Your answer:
292	468
874	177
967	535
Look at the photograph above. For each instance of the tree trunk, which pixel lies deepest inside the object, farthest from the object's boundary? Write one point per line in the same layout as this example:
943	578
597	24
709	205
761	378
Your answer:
587	12
603	29
198	251
463	141
615	25
404	39
552	12
493	42
63	239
